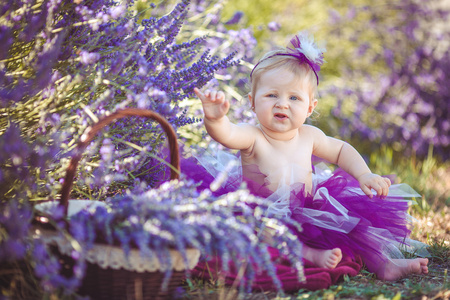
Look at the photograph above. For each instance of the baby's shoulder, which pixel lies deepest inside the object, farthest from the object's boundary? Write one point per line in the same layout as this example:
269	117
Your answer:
254	129
249	129
309	130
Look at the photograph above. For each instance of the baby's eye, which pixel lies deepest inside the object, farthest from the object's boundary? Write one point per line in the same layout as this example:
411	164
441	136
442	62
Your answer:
272	95
294	98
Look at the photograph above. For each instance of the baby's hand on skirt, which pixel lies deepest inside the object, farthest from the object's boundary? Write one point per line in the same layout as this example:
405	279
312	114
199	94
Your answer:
370	181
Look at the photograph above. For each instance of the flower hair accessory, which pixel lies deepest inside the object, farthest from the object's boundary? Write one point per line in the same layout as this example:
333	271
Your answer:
303	47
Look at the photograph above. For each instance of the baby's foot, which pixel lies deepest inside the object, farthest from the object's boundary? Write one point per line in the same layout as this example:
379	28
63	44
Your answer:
399	268
328	259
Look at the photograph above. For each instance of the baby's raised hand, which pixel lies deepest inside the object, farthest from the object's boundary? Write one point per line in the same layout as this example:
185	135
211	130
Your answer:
370	181
215	106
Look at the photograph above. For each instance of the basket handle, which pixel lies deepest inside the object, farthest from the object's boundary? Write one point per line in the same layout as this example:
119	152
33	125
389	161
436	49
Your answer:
90	133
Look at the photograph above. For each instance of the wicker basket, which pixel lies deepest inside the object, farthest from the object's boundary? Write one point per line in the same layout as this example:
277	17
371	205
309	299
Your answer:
105	278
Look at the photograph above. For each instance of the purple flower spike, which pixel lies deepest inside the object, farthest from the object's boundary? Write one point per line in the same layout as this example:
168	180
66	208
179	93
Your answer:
88	58
235	18
117	12
274	26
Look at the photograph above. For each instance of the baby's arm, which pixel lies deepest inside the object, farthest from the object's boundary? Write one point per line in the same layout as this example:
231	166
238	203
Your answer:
219	127
347	158
352	162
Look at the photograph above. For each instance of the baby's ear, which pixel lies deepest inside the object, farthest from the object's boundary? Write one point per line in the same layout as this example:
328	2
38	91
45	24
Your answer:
251	101
312	106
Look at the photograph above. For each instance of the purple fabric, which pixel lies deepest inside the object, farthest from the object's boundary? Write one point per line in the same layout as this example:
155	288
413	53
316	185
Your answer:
316	278
381	221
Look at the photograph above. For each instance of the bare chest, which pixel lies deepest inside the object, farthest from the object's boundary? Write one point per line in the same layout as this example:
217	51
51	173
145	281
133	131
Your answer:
282	162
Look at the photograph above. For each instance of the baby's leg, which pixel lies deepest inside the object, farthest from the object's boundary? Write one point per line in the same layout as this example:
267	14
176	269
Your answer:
398	268
323	258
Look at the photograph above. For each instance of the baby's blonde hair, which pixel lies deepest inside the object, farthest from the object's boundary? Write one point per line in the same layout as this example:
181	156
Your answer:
276	59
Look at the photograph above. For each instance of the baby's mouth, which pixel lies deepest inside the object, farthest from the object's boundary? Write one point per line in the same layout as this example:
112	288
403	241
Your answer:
280	116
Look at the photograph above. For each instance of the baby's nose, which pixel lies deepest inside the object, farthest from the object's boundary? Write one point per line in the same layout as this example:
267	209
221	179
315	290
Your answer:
282	102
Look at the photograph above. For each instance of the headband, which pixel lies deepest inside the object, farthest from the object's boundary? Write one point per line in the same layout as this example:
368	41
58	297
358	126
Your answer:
305	50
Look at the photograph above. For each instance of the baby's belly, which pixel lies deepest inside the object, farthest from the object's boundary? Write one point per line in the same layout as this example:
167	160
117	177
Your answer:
279	177
277	180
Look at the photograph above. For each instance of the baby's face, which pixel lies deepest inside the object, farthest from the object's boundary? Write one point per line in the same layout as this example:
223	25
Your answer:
282	102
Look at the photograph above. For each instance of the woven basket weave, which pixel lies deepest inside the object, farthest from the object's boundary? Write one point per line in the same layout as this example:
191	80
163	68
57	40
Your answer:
101	280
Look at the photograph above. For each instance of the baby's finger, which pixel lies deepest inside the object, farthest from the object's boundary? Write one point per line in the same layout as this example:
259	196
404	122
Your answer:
220	96
388	181
213	95
378	188
373	184
207	93
367	191
199	93
385	187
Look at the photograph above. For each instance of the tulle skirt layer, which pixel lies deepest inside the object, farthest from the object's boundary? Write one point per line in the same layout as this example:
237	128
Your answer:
338	215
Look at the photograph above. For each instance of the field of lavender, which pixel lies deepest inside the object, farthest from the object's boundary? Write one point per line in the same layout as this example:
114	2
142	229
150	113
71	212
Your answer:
66	64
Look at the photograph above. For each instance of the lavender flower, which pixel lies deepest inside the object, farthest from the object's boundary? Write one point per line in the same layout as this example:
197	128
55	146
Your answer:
274	26
235	18
117	12
89	58
14	227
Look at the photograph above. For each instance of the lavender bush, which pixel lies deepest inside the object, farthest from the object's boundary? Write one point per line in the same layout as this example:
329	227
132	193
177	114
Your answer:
225	36
63	65
394	85
86	60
